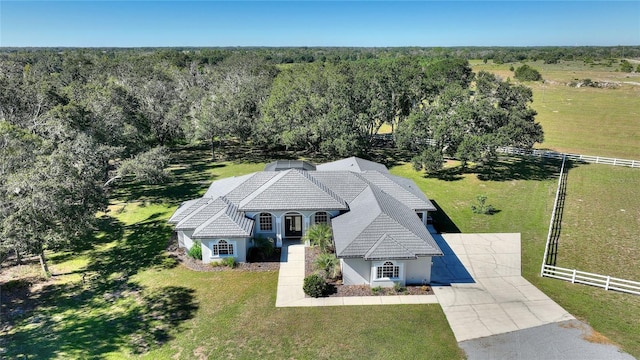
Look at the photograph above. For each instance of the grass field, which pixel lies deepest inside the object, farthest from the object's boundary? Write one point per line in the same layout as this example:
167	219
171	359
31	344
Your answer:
589	121
602	202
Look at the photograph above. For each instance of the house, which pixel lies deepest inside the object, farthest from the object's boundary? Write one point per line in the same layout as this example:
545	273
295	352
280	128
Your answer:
378	219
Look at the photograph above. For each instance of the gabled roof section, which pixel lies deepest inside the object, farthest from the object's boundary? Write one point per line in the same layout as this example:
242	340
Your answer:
227	223
201	214
354	164
380	227
387	247
406	191
292	190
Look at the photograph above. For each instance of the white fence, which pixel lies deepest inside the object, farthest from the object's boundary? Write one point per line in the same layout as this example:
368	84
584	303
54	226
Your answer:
574	157
553	221
581	277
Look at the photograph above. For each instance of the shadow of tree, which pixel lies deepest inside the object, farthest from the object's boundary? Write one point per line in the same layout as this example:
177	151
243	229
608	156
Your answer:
506	168
106	311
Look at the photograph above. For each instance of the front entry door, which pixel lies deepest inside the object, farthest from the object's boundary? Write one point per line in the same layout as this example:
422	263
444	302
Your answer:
292	226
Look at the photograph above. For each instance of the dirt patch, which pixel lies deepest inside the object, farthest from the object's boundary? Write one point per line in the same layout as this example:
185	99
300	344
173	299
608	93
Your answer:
340	290
588	333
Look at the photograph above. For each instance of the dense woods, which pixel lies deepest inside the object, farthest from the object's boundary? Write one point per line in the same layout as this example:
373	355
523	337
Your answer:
75	122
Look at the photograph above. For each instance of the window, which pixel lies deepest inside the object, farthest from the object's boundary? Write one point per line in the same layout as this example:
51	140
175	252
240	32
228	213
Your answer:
321	218
222	248
388	270
266	222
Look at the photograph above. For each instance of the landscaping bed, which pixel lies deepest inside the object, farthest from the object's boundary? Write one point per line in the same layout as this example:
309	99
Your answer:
180	255
337	289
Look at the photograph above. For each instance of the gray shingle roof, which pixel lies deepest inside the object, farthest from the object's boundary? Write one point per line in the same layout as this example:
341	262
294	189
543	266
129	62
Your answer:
201	214
402	191
292	190
224	186
353	163
381	222
185	209
227	223
345	184
250	185
375	222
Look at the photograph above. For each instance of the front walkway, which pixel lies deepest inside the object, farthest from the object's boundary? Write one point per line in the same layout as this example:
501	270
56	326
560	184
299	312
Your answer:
291	277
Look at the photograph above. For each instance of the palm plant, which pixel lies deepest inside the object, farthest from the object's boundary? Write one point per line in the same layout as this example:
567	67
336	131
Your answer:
329	264
320	235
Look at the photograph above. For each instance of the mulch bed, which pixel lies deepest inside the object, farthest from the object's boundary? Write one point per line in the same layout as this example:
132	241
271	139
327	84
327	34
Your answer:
180	254
338	289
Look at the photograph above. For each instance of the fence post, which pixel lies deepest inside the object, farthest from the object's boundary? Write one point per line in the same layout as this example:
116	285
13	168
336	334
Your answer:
606	285
573	278
614	162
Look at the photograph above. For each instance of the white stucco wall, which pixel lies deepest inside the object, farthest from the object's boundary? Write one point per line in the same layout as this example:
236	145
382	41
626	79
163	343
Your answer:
418	272
184	239
355	271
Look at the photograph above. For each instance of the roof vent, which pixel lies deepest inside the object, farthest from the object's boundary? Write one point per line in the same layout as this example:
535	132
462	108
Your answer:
289	164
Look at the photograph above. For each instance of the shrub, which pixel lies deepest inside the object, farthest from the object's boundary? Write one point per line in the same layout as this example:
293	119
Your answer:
262	248
376	290
320	235
314	285
229	262
527	73
329	264
481	207
397	286
195	251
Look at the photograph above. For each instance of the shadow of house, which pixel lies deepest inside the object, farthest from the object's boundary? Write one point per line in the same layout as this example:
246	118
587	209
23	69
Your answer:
442	221
448	269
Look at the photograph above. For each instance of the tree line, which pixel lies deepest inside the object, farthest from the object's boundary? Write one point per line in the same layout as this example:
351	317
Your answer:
73	123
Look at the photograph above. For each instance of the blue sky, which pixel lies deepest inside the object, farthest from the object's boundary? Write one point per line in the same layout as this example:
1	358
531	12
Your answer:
318	23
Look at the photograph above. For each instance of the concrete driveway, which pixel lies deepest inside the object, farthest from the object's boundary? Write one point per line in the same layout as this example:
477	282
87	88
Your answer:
497	314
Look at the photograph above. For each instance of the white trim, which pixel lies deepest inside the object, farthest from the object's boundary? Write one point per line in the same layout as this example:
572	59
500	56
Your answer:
233	244
379	264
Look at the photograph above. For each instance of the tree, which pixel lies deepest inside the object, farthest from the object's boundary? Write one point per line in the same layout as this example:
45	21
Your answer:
470	126
527	73
53	203
231	106
625	66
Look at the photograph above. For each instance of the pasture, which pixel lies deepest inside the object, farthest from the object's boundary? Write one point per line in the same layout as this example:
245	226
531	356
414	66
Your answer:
586	120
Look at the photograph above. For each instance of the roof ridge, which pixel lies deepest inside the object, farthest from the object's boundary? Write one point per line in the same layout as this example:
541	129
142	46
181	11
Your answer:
322	187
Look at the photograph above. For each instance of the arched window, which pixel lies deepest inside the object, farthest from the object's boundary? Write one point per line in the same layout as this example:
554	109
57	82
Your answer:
222	248
266	222
321	217
388	270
